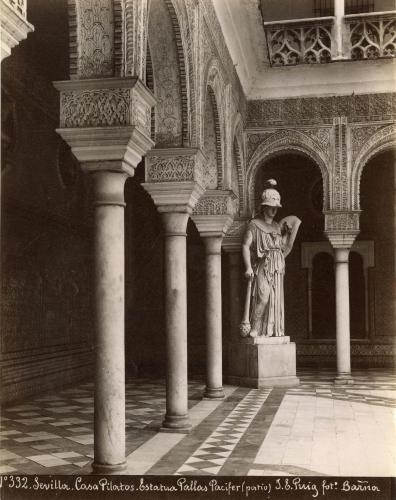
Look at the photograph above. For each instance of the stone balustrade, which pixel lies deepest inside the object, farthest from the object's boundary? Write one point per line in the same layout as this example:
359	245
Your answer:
315	40
371	36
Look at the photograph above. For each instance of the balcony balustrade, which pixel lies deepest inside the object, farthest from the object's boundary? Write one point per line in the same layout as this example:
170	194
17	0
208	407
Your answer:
372	35
315	40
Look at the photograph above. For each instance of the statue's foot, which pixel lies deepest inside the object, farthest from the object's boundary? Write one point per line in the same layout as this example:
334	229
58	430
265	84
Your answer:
254	333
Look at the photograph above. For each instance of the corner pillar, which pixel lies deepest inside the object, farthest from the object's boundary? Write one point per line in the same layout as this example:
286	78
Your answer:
109	147
175	183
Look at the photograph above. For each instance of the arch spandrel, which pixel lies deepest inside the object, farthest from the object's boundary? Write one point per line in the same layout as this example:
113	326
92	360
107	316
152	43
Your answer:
382	140
288	141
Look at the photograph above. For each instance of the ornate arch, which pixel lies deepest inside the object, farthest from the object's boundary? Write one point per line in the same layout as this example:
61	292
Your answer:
237	151
287	141
215	90
383	140
169	75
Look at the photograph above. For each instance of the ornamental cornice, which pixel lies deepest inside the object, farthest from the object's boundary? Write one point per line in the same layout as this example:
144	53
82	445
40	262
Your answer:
105	102
175	165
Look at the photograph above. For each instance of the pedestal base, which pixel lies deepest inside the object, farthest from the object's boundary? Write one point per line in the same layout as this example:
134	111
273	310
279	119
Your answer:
263	362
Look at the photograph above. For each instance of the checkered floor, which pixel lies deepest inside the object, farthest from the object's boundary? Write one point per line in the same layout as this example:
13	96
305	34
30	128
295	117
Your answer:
214	451
256	432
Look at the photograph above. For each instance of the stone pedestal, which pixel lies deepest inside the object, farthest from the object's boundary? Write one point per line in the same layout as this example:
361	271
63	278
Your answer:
263	362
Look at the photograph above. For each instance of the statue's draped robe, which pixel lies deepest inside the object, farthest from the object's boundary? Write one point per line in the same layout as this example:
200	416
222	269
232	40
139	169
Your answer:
268	263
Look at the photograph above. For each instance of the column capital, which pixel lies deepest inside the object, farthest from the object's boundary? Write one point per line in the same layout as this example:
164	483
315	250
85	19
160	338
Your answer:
14	25
174	178
213	214
106	121
342	227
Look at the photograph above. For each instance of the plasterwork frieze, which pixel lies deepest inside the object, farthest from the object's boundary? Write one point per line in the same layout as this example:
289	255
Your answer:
213	205
95	38
177	168
360	135
341	191
104	108
287	140
342	221
321	110
384	138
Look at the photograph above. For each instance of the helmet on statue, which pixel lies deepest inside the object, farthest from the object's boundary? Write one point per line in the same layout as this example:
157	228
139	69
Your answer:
270	195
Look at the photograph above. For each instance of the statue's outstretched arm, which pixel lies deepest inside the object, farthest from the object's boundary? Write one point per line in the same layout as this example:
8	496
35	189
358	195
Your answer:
289	226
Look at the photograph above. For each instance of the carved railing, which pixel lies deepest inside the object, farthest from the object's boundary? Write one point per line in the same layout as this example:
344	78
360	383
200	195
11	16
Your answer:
310	41
300	41
372	35
17	5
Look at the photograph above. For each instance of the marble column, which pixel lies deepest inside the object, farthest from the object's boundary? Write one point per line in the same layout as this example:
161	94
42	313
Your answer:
176	417
109	421
214	343
174	182
341	256
108	154
213	216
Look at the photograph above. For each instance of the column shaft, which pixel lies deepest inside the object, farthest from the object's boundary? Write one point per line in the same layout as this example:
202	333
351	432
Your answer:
109	428
176	321
214	356
342	313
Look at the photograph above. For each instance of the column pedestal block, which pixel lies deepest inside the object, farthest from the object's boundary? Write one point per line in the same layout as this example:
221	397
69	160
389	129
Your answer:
263	362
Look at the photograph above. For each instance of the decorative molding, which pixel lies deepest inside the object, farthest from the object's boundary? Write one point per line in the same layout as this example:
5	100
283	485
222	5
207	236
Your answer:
360	134
342	221
175	165
382	140
110	102
341	174
95	38
216	202
287	140
123	136
134	38
321	110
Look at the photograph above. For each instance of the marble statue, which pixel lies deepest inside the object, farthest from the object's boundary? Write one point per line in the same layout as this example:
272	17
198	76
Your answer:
265	245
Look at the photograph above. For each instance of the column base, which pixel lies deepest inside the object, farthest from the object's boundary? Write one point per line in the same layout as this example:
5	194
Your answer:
344	379
108	468
176	423
214	393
